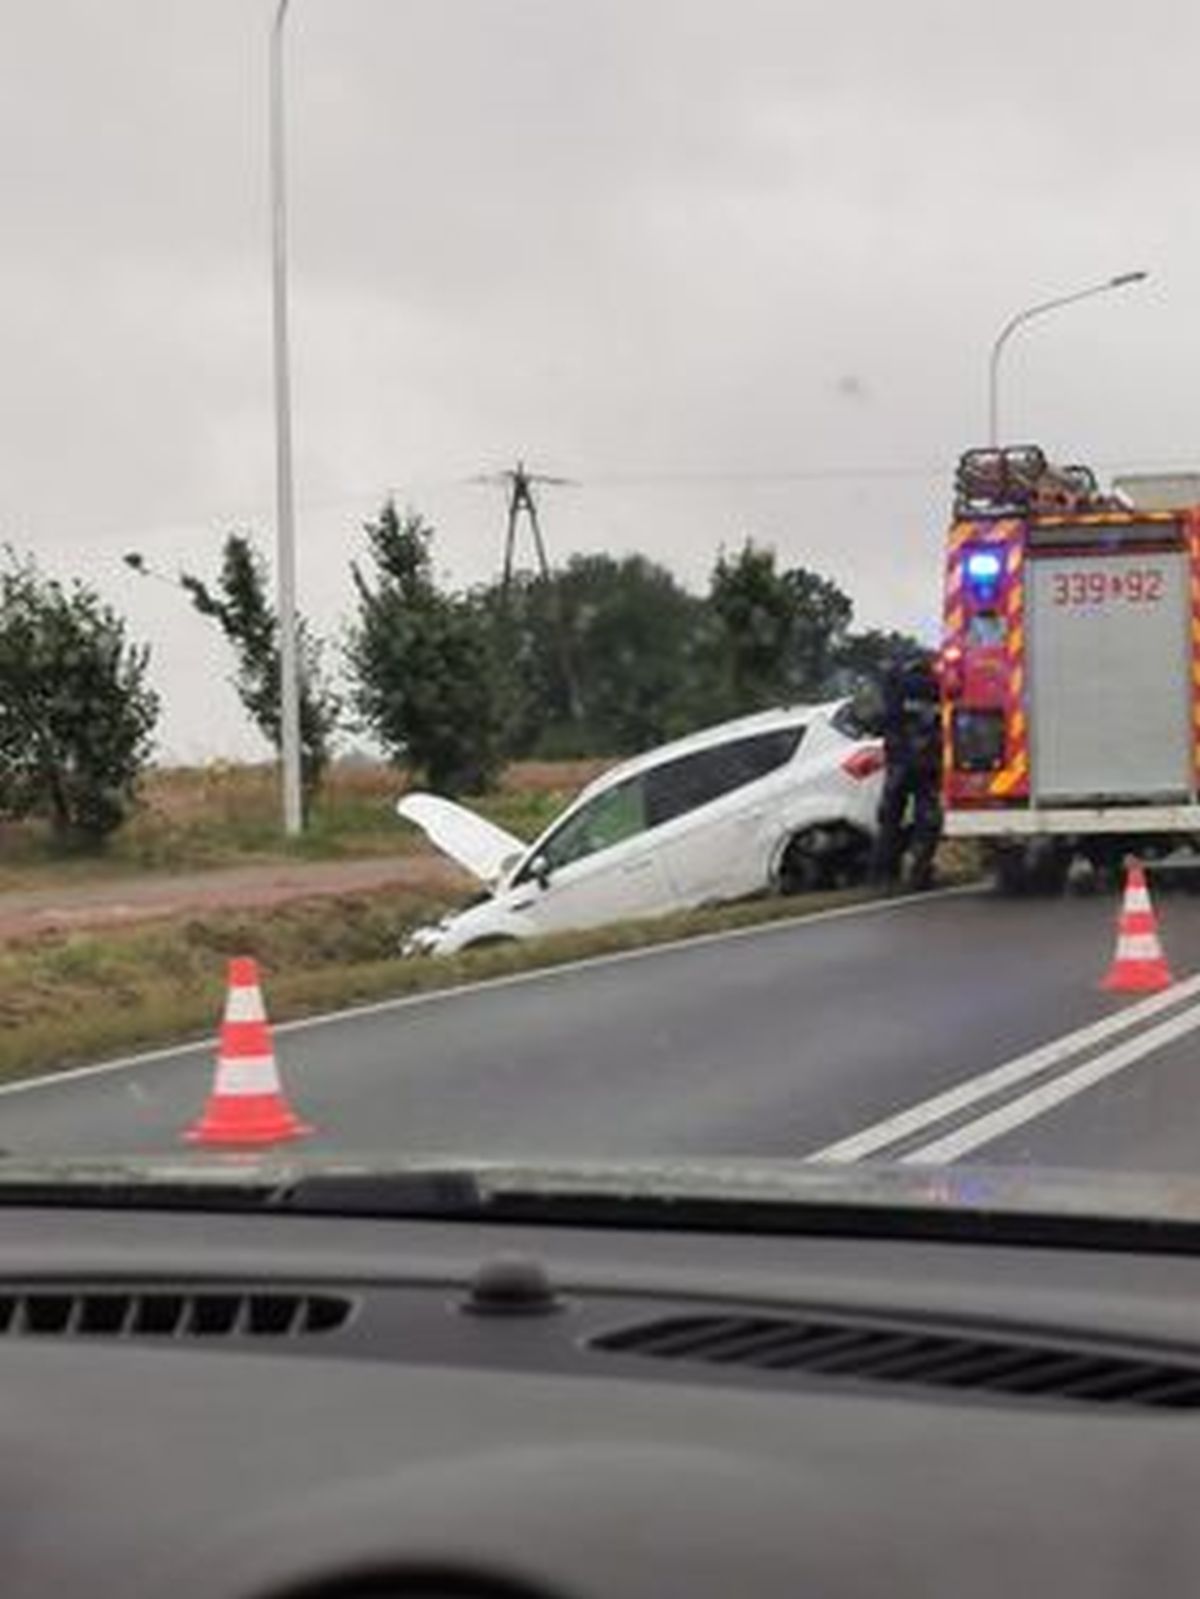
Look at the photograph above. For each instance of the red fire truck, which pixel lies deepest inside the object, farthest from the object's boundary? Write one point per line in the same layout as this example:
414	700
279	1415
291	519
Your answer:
1071	668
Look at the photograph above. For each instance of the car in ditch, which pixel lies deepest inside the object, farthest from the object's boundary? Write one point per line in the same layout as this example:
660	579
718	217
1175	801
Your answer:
784	800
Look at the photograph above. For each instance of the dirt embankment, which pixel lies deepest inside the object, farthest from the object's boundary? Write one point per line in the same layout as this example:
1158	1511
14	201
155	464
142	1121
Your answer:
123	902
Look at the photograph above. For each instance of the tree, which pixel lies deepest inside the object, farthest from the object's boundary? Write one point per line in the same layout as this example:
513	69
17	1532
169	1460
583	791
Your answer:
864	656
76	715
527	634
243	611
633	636
821	614
780	631
428	679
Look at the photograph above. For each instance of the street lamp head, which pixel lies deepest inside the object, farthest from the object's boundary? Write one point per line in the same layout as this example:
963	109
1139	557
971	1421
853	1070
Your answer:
1121	281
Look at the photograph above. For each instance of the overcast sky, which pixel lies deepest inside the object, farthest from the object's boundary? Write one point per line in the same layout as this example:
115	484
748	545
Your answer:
734	267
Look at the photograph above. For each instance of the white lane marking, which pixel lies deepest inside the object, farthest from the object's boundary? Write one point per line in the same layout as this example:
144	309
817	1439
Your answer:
1047	1095
382	1007
1059	1050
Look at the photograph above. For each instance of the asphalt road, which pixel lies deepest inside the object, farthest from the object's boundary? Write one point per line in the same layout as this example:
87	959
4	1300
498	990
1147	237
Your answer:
832	1038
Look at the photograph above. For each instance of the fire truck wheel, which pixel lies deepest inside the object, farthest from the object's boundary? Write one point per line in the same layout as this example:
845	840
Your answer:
1048	869
1036	868
1008	865
1082	877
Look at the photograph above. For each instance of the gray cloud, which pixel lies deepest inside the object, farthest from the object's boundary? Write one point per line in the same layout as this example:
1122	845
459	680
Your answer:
626	240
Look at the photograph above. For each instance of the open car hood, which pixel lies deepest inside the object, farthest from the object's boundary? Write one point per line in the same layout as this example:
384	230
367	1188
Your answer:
479	845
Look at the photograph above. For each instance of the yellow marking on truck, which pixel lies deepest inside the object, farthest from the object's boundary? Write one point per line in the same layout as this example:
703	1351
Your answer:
1007	779
960	533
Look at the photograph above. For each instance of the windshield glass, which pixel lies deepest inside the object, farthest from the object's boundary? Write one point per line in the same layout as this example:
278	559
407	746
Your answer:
771	422
609	819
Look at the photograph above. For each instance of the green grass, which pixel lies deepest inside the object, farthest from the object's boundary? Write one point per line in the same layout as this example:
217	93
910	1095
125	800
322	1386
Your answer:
79	997
67	998
73	997
200	818
523	812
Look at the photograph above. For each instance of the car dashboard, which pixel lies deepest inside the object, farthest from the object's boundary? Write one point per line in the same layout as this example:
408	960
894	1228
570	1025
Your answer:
253	1407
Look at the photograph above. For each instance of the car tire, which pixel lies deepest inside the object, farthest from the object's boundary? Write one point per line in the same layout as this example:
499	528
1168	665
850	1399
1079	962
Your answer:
822	858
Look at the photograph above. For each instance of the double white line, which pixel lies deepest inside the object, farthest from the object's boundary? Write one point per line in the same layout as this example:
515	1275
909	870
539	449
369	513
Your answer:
1046	1061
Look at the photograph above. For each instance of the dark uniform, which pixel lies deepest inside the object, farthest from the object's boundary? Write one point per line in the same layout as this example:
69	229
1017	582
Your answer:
912	742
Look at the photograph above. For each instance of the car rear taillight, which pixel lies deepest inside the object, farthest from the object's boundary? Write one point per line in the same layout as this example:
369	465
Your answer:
864	763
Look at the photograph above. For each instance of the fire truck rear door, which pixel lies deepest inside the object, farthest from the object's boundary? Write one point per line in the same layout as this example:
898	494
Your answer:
1109	676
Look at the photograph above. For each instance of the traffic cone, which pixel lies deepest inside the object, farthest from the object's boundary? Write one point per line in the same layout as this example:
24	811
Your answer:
1139	964
247	1105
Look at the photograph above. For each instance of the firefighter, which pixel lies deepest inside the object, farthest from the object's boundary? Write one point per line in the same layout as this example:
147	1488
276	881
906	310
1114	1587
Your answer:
910	722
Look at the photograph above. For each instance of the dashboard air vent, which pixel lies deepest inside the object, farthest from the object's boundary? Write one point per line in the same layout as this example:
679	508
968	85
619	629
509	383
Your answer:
154	1313
869	1352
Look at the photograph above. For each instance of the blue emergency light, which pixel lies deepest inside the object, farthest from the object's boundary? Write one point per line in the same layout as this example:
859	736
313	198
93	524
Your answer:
983	568
983	574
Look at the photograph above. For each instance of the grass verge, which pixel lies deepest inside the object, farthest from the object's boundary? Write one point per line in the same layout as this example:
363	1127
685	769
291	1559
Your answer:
65	1000
198	818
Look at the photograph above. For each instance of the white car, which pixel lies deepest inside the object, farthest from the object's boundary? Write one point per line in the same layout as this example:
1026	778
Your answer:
782	800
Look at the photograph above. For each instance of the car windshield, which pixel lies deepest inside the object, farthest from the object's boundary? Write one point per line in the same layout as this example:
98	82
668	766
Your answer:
610	818
601	583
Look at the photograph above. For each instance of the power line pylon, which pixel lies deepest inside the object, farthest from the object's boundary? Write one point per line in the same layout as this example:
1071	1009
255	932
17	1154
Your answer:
519	482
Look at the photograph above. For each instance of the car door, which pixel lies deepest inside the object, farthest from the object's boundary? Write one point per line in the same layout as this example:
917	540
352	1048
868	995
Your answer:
712	809
601	864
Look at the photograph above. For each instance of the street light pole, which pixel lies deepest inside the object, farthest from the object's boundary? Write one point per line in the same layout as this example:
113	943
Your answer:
285	508
1121	281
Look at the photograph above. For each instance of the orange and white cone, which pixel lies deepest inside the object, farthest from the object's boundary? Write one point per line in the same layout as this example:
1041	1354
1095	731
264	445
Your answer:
247	1105
1139	964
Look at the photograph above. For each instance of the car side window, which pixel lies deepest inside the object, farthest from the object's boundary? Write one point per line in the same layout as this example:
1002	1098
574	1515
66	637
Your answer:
861	716
611	818
682	785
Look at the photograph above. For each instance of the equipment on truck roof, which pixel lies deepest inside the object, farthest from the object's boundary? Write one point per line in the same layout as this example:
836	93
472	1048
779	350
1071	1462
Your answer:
991	482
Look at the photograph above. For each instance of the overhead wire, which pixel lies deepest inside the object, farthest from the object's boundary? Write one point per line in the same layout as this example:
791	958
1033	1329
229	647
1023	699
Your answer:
210	518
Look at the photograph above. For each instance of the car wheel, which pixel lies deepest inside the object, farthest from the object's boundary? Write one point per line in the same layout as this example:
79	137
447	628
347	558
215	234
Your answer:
809	862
